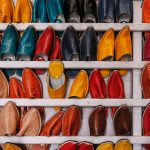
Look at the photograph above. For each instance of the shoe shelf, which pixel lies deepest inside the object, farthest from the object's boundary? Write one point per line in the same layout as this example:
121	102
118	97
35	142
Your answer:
135	100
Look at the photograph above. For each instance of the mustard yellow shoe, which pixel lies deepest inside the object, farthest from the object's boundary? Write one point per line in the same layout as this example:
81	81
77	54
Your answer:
123	145
106	146
23	11
6	11
123	47
56	81
80	86
105	50
9	146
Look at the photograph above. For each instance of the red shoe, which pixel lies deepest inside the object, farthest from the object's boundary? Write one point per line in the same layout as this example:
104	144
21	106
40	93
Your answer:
44	47
115	87
85	146
69	145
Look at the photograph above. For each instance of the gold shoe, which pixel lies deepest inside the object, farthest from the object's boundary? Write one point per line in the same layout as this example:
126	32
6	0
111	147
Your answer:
123	47
106	49
80	86
6	11
56	81
123	145
9	146
23	12
106	146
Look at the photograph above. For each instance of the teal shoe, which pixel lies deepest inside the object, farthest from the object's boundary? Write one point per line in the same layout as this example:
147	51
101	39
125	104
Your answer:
9	46
26	46
39	11
55	11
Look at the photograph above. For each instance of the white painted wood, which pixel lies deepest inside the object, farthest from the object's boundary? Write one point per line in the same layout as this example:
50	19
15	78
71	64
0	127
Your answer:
75	64
88	102
137	91
80	27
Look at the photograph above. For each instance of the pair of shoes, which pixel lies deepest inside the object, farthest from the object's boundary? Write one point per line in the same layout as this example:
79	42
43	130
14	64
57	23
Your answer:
76	11
110	11
66	122
12	49
48	10
47	48
120	145
121	48
122	120
21	13
72	145
75	50
30	126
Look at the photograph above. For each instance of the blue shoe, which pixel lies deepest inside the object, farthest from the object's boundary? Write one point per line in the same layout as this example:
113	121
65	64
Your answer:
26	46
9	46
106	11
39	11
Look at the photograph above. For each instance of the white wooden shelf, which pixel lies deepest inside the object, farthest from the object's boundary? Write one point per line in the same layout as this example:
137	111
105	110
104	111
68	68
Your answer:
79	102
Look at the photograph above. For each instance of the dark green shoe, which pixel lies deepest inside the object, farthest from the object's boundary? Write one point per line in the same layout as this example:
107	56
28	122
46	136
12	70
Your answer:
39	11
9	46
26	46
55	11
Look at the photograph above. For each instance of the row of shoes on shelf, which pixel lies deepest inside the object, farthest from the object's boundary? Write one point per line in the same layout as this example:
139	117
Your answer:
71	48
72	145
74	11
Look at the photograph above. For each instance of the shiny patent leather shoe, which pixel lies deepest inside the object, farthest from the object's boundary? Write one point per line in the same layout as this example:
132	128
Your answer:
70	49
55	11
146	124
97	121
124	11
39	11
123	145
9	146
16	88
9	46
145	81
89	11
71	121
72	11
106	11
56	52
106	146
146	50
80	86
6	11
44	46
56	81
69	145
4	88
97	85
123	51
9	121
31	84
26	46
106	51
115	87
88	45
85	146
123	121
23	12
53	127
31	124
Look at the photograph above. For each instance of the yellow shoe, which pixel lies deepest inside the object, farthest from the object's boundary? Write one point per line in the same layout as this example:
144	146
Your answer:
106	49
56	81
106	146
23	11
123	145
123	47
9	146
80	86
6	11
